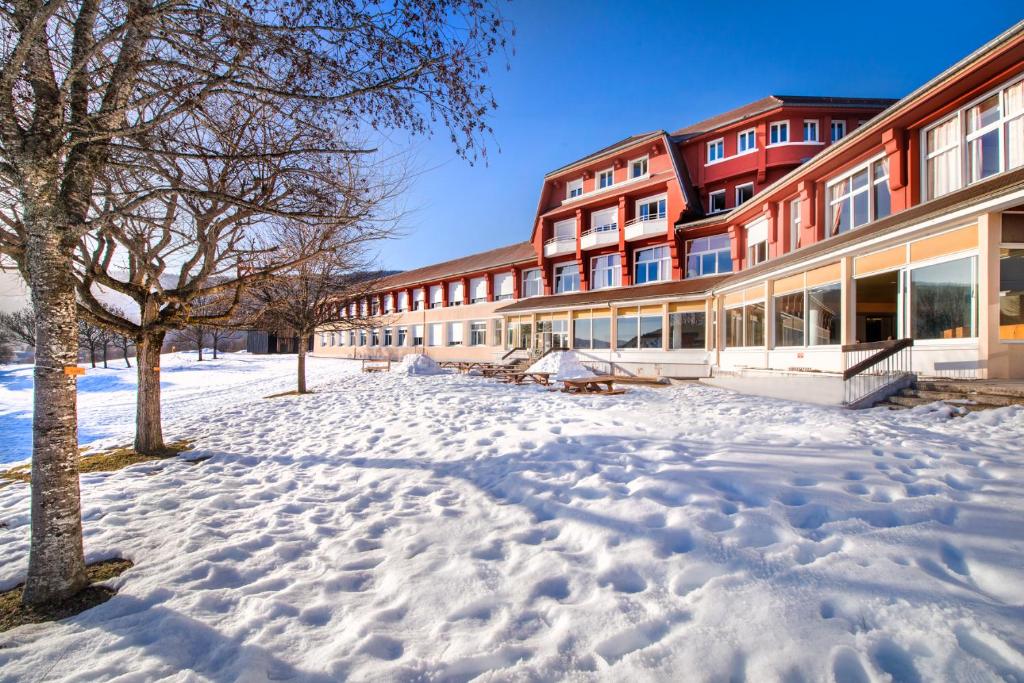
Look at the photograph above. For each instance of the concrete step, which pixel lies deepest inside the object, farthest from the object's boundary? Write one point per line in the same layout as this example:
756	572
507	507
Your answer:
1012	389
960	397
898	402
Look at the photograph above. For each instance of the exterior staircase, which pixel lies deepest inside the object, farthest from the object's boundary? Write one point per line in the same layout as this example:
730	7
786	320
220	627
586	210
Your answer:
969	395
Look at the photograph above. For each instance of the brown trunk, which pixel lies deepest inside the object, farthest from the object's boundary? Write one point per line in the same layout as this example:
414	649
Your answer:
302	364
149	437
104	357
92	356
56	565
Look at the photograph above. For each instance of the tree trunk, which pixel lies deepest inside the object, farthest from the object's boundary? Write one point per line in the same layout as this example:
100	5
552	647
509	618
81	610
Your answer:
104	357
56	565
92	355
124	349
199	345
215	347
302	364
149	437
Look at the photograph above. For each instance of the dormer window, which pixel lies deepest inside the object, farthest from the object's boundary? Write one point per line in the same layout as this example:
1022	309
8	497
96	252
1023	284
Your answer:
605	179
574	188
638	168
778	133
811	130
716	150
745	141
838	130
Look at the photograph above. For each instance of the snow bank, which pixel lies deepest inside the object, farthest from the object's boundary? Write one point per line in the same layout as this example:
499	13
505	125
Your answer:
417	364
561	365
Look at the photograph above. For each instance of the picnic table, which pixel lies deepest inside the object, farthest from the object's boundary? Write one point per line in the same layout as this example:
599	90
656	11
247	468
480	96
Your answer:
543	378
599	384
376	365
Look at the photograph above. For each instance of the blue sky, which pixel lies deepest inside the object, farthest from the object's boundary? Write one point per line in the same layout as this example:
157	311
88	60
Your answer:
585	74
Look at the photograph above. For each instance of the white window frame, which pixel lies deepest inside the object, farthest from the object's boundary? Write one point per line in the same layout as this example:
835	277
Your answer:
597	178
664	263
615	270
718	144
499	280
794	224
453	329
440	299
559	277
475	324
832	128
778	125
527	278
927	156
710	203
605	226
752	132
689	251
870	189
817	126
645	160
1001	125
737	192
659	199
474	286
574	186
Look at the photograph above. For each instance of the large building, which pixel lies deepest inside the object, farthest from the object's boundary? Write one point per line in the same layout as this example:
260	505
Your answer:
768	237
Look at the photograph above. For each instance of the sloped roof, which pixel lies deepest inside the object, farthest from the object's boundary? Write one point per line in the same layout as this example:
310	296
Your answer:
775	101
625	142
658	290
485	260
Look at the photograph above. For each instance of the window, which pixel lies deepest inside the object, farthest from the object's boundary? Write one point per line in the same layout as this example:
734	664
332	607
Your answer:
374	306
652	265
455	293
362	337
943	300
417	335
789	319
746	141
794	224
686	330
744	192
592	332
436	296
810	131
650	209
708	256
838	130
434	332
638	168
387	336
567	278
403	302
636	330
716	201
824	311
477	290
605	179
778	133
565	231
745	325
1011	292
389	303
418	299
454	334
942	157
533	285
605	271
478	333
351	338
574	188
859	198
716	150
503	286
403	335
605	220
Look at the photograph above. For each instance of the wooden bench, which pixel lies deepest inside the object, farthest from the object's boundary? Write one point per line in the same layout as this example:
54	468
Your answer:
542	378
600	384
376	366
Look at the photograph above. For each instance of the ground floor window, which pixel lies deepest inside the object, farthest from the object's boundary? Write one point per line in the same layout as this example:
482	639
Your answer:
637	331
686	330
789	319
434	334
745	325
824	315
553	334
417	335
943	300
388	336
375	336
362	337
454	334
403	334
592	333
519	335
1011	292
477	333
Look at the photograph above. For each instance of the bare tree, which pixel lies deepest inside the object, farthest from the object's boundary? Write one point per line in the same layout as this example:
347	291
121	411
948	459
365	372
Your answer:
221	336
92	338
89	85
19	327
124	343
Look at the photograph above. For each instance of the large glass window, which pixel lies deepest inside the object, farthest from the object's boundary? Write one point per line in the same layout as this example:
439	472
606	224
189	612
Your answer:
636	330
942	157
567	278
734	327
533	285
824	314
708	256
789	319
686	330
478	333
627	330
581	333
1011	293
605	271
753	327
592	333
942	300
652	265
859	198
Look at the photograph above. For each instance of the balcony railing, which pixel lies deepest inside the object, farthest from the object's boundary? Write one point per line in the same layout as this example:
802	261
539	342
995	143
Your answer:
609	188
645	226
560	245
600	235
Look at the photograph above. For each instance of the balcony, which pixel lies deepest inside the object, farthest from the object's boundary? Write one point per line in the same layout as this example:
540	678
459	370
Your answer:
599	236
646	226
560	245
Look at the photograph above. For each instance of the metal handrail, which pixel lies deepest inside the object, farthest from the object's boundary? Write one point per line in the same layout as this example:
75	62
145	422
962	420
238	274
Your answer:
643	219
560	239
513	350
608	227
885	349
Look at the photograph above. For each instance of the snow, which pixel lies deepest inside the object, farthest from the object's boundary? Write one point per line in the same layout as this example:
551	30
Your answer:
561	365
417	364
449	527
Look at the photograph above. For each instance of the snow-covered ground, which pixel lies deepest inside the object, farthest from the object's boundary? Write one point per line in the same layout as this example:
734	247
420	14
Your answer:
443	528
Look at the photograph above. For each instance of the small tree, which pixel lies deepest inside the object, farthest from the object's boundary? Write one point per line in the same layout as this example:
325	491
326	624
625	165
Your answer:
91	338
220	336
125	343
19	327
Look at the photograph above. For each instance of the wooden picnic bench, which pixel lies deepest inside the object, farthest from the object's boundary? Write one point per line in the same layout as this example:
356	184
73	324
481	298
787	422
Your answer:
376	365
600	384
543	378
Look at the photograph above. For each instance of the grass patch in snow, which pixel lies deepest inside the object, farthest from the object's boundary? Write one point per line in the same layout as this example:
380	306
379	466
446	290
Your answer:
103	461
13	613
